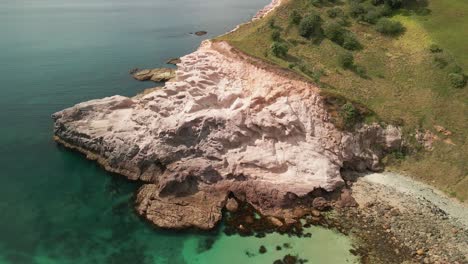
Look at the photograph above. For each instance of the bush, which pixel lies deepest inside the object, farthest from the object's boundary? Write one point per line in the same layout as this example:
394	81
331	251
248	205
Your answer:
455	69
334	32
440	62
295	18
356	9
349	113
457	80
279	49
311	26
350	42
434	48
276	35
346	60
342	21
389	27
317	3
372	16
359	70
335	12
272	23
394	4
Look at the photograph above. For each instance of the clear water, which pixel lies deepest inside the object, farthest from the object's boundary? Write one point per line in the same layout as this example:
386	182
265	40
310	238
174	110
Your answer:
55	206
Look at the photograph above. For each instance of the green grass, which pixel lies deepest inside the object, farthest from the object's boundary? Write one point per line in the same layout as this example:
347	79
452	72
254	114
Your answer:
402	83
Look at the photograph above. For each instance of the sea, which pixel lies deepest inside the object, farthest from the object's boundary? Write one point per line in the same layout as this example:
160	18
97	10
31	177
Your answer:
58	207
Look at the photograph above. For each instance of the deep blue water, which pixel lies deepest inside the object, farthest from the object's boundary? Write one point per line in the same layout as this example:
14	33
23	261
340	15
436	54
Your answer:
55	206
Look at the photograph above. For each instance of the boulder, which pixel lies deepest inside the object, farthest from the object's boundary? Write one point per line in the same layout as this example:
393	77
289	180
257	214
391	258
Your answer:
173	61
155	75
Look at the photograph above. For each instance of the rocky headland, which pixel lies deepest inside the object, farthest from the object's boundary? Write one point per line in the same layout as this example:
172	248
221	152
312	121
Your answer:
227	124
232	132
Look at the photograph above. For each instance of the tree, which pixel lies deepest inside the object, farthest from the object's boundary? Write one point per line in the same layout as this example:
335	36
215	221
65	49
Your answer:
389	27
311	26
279	49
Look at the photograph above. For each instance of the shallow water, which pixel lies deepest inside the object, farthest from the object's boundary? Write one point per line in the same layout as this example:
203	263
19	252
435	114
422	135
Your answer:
57	207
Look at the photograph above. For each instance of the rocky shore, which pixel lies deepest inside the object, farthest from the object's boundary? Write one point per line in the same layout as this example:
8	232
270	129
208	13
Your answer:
407	222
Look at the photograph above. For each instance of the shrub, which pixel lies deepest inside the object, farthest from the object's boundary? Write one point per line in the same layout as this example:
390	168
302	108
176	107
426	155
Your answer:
389	27
279	49
440	62
359	70
349	114
350	42
346	60
334	32
311	26
295	18
275	35
335	12
372	16
377	2
317	3
356	9
342	21
457	80
434	48
455	69
272	23
395	4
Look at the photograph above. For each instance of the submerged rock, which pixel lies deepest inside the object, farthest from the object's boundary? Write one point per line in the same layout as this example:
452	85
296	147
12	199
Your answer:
228	123
201	33
155	75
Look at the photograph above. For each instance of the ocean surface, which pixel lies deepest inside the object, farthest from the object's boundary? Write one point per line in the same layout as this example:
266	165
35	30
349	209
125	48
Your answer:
58	207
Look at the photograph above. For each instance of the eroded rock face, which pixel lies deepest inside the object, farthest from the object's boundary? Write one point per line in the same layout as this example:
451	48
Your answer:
227	124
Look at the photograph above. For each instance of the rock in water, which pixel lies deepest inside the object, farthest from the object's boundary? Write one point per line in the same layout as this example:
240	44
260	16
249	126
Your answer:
155	75
228	124
232	205
201	33
173	61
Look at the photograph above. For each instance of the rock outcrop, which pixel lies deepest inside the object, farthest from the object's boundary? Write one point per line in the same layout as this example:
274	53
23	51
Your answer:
228	124
155	75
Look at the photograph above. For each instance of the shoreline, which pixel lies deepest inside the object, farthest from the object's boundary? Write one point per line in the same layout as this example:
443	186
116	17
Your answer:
396	216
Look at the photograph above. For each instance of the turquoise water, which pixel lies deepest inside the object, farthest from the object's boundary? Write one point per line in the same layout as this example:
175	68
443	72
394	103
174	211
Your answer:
55	206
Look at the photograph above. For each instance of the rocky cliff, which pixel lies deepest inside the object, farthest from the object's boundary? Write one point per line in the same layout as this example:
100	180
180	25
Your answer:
227	125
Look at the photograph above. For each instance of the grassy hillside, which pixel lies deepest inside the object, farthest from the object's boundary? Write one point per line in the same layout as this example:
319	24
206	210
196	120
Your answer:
407	75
